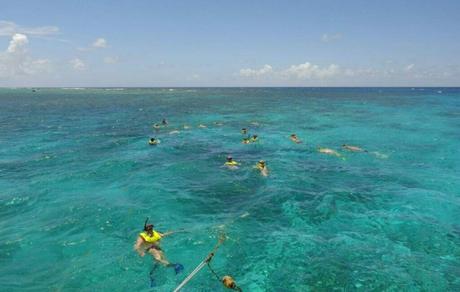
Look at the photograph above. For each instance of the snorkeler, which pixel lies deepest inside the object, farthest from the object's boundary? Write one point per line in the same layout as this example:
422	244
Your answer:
154	141
353	148
262	166
254	139
329	151
149	241
230	163
244	131
295	139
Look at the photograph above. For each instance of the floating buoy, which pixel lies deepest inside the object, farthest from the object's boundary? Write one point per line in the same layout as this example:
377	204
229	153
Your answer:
229	282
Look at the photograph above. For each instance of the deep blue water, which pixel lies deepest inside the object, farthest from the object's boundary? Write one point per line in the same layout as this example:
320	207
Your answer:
78	179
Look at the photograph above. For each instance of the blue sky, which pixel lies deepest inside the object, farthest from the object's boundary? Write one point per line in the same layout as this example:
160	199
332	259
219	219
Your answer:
229	43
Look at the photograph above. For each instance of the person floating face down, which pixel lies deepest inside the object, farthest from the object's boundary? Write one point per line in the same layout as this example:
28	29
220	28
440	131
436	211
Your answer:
262	167
254	138
230	163
154	141
353	148
295	139
149	241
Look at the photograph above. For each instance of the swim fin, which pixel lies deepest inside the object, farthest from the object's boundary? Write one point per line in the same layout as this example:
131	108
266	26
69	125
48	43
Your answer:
152	278
178	268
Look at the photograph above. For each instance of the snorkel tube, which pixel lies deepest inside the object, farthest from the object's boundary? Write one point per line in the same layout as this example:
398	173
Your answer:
146	225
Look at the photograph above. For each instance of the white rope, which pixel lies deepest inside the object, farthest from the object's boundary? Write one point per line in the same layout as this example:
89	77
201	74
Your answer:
193	273
201	265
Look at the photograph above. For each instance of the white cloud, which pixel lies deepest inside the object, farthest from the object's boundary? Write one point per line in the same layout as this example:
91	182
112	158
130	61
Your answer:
326	38
301	71
78	64
16	61
9	28
111	60
100	43
310	71
409	67
17	43
265	70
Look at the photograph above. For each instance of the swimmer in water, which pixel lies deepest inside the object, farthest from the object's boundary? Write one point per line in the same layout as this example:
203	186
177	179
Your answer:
149	241
353	148
380	155
244	131
254	138
230	163
295	139
156	127
154	141
329	151
164	122
245	141
262	167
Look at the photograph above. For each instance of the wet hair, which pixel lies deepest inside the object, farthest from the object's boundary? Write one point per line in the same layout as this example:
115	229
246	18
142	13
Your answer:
147	227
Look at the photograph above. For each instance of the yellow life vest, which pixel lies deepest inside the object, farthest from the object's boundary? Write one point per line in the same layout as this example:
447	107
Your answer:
231	163
150	239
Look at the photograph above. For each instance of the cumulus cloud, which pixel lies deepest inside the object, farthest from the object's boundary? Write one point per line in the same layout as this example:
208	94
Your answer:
17	43
310	71
265	70
16	61
9	28
78	64
100	43
409	67
111	60
326	38
301	71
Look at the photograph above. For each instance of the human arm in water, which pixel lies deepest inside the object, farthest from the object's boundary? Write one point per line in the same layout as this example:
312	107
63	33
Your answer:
138	246
167	233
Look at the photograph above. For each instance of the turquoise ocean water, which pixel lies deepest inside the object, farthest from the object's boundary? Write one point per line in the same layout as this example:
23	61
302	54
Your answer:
78	179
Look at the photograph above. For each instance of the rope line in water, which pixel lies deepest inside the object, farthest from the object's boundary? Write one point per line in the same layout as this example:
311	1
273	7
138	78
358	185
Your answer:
227	280
193	273
201	265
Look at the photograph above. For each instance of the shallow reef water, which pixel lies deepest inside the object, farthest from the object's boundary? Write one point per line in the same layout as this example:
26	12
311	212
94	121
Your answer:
78	178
